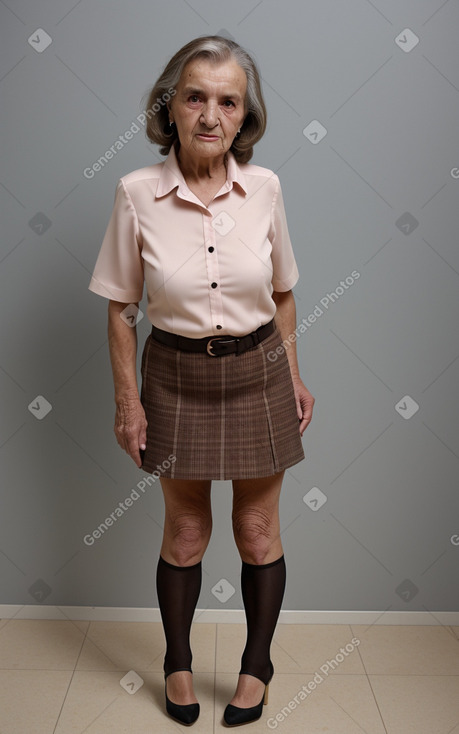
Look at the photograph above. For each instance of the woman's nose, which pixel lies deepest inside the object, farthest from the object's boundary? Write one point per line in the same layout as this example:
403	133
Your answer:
210	114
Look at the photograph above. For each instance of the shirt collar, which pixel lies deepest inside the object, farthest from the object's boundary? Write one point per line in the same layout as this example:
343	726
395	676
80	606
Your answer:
172	177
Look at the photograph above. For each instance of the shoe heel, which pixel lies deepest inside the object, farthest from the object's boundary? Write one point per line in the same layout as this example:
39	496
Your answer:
265	700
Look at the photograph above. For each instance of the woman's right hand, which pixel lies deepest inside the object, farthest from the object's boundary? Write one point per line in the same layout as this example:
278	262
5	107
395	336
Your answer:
131	425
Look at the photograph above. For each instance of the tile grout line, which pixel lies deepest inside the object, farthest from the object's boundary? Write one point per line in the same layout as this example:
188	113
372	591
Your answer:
71	677
369	684
215	677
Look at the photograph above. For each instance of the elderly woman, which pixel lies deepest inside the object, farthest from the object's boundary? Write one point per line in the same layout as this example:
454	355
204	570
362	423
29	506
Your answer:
221	398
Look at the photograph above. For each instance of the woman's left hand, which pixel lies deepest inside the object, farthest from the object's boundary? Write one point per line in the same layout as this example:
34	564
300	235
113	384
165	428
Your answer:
304	403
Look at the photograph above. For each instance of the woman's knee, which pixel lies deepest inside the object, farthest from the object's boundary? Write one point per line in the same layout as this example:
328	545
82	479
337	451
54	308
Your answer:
255	529
187	535
188	520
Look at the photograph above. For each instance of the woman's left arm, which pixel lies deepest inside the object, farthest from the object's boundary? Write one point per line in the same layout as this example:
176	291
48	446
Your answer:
286	323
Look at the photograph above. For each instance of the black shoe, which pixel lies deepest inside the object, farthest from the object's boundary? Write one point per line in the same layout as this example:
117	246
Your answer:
235	716
185	714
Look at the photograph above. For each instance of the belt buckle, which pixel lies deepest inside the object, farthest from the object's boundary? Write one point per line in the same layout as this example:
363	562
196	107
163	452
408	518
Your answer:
210	348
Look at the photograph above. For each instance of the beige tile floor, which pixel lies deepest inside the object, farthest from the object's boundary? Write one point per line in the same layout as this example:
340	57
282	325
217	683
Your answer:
63	677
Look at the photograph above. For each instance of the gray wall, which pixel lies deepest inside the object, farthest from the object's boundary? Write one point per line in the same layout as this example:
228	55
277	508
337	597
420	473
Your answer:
377	194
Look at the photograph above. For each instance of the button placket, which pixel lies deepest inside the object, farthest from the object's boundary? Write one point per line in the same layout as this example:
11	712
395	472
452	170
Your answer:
213	274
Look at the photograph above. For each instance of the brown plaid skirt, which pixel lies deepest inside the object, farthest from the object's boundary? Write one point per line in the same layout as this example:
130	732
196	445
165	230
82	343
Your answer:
230	417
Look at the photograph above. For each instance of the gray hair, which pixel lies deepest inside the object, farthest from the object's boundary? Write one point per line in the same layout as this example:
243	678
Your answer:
217	49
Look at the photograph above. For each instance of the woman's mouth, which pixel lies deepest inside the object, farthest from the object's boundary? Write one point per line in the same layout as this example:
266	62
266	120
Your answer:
208	138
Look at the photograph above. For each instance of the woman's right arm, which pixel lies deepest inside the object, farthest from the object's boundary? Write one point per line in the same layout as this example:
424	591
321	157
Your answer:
130	421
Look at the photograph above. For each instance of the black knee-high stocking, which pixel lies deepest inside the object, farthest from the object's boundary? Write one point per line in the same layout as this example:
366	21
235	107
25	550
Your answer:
178	590
262	592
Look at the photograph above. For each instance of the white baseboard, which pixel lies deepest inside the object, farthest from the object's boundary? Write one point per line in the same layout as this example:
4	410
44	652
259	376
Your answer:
231	616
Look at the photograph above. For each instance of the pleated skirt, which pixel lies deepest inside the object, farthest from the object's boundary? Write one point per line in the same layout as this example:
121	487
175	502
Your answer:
230	417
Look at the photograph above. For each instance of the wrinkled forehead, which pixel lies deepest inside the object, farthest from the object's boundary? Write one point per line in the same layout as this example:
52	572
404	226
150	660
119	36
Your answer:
224	77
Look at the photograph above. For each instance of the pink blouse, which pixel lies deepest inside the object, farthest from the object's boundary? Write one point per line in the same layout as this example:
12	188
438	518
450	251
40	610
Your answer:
208	270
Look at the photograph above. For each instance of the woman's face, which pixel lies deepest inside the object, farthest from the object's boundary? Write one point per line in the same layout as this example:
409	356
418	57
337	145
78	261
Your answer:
208	107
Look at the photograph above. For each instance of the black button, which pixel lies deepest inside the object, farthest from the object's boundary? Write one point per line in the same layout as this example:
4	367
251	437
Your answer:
214	285
211	249
219	326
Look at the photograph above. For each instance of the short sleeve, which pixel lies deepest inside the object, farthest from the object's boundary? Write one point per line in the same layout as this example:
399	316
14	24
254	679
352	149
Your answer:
285	270
118	272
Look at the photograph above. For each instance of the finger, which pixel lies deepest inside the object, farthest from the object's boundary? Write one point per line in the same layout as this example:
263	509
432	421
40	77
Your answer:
142	445
303	425
143	437
132	447
299	410
306	417
134	453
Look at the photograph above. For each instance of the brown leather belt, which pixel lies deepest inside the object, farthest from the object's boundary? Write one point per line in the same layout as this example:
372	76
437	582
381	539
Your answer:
214	346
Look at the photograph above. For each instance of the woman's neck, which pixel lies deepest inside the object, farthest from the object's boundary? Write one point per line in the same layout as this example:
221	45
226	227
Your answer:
200	170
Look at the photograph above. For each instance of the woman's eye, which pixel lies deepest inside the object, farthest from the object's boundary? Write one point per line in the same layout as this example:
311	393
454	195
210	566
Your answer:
229	102
194	98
